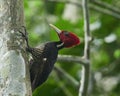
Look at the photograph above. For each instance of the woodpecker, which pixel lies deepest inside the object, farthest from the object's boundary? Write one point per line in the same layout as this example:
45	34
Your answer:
45	55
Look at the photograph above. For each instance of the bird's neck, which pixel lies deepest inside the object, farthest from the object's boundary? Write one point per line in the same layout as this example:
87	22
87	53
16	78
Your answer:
59	45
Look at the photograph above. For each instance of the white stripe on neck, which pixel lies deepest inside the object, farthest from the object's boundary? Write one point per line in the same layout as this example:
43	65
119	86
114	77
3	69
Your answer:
60	45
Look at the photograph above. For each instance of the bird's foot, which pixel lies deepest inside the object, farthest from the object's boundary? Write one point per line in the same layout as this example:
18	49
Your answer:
24	33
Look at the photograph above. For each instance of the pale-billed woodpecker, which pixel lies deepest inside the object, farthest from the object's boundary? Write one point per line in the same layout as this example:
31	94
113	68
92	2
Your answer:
45	55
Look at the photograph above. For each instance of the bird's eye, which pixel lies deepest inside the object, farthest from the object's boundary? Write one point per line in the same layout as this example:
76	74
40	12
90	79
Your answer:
66	33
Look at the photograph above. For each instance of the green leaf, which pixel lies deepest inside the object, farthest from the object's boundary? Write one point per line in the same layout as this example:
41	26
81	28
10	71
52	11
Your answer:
117	53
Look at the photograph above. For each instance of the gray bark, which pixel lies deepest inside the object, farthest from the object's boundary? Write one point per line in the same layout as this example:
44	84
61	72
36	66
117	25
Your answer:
14	75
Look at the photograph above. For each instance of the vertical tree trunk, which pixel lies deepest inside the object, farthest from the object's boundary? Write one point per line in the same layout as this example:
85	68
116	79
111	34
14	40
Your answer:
14	75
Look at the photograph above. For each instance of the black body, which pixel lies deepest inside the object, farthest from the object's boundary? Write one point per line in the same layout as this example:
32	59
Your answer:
43	61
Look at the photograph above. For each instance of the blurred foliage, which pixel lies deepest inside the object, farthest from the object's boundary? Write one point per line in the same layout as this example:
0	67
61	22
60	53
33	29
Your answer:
105	47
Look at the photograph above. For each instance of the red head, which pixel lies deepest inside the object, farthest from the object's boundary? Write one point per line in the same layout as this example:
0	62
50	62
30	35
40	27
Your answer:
68	38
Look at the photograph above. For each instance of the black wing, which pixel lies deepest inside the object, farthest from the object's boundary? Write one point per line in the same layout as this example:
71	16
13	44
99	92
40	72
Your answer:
42	63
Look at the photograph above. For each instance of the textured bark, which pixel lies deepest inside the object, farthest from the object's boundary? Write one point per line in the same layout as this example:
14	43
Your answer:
14	79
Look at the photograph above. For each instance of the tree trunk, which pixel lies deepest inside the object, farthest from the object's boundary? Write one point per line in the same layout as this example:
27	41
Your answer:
14	74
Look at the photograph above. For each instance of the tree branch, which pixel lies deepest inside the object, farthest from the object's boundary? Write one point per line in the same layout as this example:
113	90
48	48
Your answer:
106	10
62	85
75	59
106	5
67	1
65	75
85	69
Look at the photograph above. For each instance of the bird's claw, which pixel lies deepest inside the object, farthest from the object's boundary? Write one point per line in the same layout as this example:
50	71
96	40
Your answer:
24	33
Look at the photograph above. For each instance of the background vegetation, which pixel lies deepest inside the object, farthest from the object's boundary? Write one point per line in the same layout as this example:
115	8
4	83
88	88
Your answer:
105	46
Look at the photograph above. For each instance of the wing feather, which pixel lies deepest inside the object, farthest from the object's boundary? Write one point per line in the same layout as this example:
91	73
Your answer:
42	63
